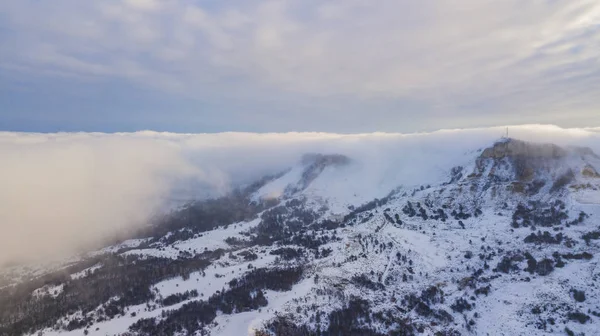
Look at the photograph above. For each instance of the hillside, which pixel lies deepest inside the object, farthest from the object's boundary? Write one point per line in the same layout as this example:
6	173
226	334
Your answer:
498	238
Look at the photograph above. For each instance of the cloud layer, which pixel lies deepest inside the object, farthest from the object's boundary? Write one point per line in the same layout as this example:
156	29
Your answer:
291	64
68	191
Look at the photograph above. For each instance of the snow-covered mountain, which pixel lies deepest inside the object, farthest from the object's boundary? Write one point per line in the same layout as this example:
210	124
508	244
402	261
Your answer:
484	239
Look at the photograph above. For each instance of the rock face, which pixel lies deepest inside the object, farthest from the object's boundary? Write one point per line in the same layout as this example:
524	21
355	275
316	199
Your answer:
530	162
517	148
589	171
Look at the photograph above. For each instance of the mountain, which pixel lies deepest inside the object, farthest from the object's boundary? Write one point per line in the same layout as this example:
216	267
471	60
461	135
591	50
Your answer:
497	240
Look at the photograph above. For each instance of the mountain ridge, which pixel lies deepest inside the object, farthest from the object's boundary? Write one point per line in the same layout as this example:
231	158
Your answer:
501	240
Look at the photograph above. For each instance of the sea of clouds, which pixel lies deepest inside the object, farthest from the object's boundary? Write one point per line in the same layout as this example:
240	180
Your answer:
62	193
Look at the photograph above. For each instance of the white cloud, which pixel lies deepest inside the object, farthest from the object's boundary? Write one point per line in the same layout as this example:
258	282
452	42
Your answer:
68	191
145	5
539	57
61	192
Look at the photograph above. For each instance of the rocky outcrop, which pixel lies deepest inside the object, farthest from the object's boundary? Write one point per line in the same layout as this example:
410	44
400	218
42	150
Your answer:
589	171
526	159
517	148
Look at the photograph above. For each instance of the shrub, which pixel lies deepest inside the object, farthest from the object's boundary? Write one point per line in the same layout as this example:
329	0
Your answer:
578	295
460	305
579	317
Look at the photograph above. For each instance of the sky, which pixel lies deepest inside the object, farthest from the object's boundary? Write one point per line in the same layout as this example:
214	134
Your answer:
343	66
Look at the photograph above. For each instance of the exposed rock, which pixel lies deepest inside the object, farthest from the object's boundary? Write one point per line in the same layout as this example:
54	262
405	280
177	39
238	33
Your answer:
589	171
527	160
517	187
587	186
514	148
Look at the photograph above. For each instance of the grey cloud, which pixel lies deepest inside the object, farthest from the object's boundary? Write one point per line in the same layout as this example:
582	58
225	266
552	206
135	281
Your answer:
471	59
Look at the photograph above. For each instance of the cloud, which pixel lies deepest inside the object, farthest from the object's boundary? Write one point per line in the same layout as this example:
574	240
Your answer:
65	192
144	5
488	61
68	191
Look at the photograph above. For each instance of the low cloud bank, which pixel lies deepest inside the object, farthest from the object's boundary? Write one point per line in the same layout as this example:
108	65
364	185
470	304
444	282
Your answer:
61	193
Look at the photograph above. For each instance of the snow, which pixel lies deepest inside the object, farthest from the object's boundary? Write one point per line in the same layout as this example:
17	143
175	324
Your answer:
419	243
587	197
83	273
275	188
337	185
210	240
215	279
506	309
115	326
247	323
375	173
435	250
52	291
131	243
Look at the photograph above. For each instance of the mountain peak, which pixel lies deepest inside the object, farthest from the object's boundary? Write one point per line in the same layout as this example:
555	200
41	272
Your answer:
510	147
314	164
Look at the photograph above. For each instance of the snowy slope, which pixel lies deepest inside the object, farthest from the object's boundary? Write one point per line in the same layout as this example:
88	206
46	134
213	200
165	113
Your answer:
495	238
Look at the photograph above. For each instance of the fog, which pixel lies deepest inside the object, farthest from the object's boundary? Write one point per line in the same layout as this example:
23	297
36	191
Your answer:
64	193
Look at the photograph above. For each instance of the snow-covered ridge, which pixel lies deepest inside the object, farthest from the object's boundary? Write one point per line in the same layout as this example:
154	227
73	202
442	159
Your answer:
134	174
433	240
